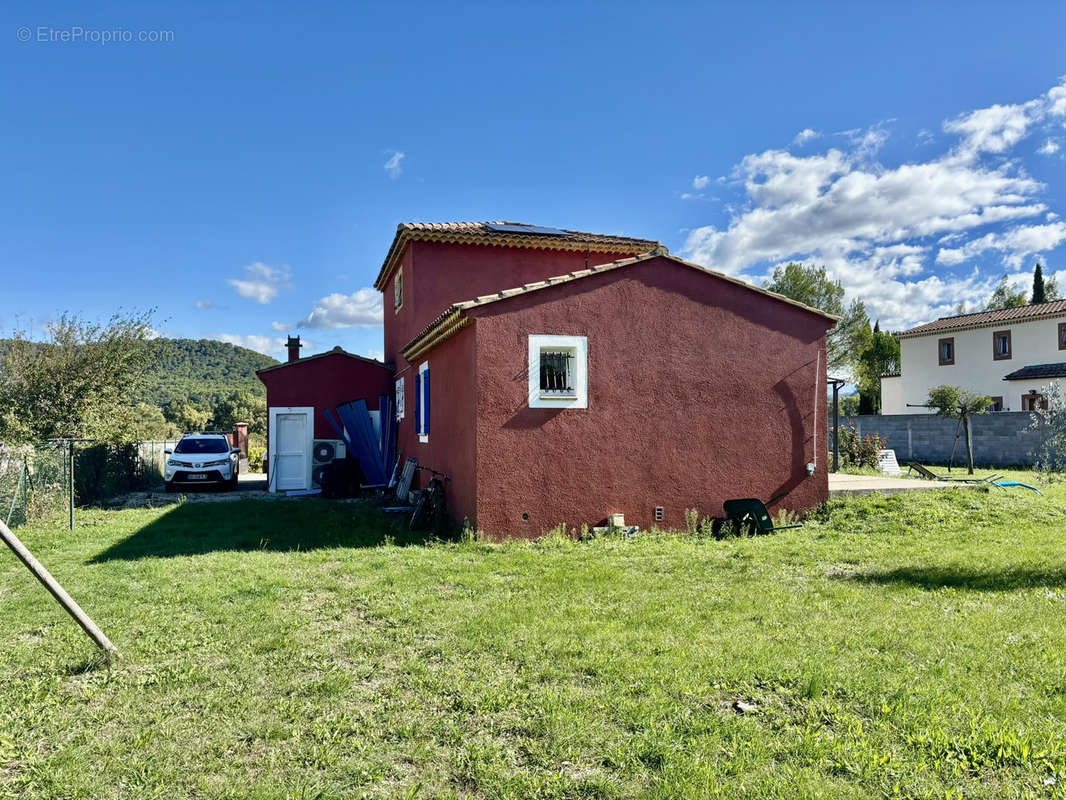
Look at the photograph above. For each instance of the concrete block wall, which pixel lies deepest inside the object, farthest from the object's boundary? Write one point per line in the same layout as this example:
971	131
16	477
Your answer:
1000	439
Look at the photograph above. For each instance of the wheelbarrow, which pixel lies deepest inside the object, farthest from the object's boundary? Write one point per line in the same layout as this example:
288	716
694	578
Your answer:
746	517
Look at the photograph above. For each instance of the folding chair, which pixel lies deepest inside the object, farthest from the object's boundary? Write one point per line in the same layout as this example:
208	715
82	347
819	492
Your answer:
403	485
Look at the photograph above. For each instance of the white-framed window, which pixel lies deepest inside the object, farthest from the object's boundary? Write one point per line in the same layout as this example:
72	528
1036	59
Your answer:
558	371
397	290
400	409
422	402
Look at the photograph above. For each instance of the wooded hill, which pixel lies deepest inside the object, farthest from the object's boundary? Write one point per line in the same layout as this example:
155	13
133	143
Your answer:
202	371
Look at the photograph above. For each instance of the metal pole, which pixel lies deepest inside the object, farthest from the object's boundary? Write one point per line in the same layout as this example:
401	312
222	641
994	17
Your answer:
57	591
70	481
836	426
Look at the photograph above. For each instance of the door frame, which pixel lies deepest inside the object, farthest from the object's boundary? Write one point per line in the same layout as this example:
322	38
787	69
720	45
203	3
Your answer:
272	423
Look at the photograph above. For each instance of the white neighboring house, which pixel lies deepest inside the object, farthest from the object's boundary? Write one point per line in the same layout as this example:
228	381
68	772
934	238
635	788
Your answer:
1009	355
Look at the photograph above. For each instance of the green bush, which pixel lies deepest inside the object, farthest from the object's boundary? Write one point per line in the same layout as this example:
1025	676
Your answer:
858	451
256	455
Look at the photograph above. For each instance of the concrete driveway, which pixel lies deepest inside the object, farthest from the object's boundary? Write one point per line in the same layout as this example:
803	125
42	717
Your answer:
841	484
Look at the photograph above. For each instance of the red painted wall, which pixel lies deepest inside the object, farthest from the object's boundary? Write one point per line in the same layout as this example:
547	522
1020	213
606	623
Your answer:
452	427
699	391
435	275
327	382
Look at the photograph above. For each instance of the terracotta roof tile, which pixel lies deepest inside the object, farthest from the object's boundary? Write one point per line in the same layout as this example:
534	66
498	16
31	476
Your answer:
982	319
482	233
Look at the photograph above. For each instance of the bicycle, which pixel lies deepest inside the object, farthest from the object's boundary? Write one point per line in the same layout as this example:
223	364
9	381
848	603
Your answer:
431	512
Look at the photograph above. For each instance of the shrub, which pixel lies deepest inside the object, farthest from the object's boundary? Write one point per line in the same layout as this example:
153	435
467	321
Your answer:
256	455
858	451
1051	422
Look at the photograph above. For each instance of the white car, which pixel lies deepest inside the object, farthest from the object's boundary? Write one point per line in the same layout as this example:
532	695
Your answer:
202	459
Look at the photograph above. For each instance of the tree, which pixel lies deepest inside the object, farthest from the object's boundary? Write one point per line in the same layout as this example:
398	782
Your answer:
811	285
81	382
149	424
961	404
187	416
1039	292
881	356
240	406
1005	296
1050	422
1051	289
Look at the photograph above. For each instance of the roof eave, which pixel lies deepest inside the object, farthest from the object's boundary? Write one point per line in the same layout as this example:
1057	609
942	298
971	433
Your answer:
454	318
334	352
406	234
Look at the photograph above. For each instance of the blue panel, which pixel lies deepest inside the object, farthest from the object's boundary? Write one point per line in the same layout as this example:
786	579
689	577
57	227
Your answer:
356	419
425	383
337	427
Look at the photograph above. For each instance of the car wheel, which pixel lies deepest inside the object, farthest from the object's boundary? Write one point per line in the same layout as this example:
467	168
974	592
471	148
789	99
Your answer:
231	484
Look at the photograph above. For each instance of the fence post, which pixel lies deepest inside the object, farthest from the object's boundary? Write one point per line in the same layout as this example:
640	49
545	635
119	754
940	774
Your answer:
57	591
70	481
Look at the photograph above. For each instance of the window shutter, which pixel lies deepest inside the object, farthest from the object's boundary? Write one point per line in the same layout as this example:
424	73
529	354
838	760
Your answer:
425	384
418	402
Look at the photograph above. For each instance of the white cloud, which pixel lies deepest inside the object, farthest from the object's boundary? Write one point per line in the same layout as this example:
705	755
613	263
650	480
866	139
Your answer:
805	136
700	181
267	345
202	304
261	282
1015	244
281	327
993	129
692	195
392	166
361	309
1048	148
871	224
999	127
376	354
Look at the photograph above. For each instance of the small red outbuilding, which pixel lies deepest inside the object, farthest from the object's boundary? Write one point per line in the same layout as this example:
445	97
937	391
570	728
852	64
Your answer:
560	377
299	392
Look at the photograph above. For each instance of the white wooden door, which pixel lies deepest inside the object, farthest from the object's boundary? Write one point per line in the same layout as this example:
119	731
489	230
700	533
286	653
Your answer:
291	453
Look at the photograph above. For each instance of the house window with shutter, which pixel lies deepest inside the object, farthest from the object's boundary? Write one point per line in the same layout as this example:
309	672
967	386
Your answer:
400	409
397	290
1001	345
997	404
946	351
1062	336
422	404
558	371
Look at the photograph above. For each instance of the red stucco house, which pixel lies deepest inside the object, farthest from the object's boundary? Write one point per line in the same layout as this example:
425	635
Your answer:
559	377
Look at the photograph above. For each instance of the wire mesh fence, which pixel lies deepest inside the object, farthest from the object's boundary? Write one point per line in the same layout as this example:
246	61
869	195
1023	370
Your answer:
34	482
35	479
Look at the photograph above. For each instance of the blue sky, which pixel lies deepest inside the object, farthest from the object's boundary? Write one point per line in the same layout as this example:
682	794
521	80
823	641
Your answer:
245	177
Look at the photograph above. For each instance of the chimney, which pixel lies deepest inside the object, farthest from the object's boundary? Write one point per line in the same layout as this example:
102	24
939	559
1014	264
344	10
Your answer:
294	348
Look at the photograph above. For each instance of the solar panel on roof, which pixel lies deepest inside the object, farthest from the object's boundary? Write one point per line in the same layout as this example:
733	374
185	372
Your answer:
503	228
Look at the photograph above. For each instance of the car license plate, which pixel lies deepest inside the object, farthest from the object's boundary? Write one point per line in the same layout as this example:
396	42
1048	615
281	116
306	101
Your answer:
197	476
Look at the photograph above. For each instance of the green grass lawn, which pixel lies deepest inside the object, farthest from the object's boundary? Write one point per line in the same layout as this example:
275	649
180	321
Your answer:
910	645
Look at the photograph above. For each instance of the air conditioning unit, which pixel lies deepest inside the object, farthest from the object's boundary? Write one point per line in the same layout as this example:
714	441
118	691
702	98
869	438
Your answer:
326	451
323	453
